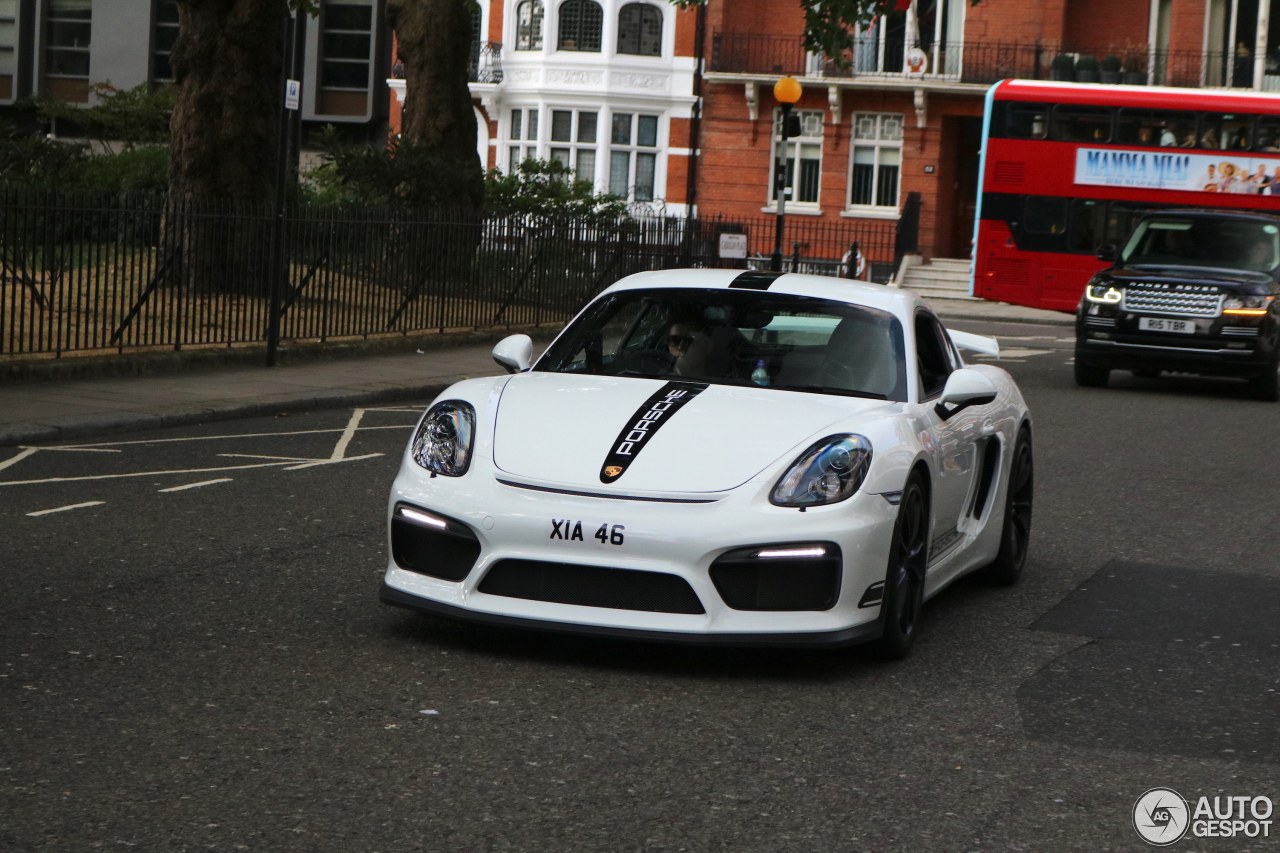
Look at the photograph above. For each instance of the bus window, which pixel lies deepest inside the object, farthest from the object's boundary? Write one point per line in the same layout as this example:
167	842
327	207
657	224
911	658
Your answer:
1165	128
1045	214
1121	217
1087	229
1225	132
1268	135
1081	124
1026	121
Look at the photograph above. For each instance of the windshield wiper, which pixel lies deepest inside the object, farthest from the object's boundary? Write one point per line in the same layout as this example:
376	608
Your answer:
831	389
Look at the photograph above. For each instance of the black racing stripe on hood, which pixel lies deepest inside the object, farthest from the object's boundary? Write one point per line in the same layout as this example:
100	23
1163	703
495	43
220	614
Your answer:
756	279
647	420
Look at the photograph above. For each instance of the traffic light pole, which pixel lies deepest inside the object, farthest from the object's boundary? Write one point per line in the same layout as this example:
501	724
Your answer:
780	192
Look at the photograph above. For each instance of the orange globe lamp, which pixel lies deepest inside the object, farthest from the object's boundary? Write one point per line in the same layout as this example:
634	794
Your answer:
787	90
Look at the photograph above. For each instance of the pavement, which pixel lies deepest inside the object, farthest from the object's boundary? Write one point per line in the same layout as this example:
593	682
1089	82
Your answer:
35	412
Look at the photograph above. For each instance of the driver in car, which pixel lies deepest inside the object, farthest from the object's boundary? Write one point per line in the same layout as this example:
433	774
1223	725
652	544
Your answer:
701	348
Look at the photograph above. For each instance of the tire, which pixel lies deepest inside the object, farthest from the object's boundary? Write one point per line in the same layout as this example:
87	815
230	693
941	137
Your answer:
1091	377
904	579
1266	386
1015	531
1147	374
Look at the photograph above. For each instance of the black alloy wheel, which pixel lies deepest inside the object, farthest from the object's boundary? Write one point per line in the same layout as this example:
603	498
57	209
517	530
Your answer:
904	581
1015	536
1091	377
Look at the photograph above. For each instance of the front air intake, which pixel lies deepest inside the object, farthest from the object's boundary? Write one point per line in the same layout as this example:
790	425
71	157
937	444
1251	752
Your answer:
591	586
431	544
804	576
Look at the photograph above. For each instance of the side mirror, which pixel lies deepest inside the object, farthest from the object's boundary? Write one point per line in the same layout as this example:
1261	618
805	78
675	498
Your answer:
1108	253
965	387
515	353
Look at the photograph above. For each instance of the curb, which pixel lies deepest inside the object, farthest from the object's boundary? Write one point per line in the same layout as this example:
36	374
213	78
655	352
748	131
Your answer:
1067	320
109	423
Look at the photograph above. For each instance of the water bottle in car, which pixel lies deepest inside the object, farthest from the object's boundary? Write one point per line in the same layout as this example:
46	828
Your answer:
760	376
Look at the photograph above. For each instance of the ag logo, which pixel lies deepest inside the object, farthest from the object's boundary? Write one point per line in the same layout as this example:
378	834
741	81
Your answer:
1160	817
613	470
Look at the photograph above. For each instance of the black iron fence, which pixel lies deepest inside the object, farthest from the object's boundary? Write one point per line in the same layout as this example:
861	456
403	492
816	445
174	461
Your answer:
983	62
93	272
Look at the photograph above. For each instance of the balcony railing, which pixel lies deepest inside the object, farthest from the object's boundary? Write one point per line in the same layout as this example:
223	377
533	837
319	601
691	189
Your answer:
486	63
982	62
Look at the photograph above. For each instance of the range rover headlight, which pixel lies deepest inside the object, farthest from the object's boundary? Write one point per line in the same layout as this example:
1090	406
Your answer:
828	472
1247	306
1105	293
443	441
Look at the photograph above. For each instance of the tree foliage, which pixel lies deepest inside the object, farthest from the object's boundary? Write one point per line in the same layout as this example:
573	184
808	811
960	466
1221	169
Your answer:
35	160
125	117
548	187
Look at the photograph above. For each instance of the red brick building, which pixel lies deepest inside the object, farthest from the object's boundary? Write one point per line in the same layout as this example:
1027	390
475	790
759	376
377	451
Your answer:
674	110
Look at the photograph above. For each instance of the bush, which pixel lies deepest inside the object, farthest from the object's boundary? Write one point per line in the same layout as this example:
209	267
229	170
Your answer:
1063	62
1087	62
1110	63
35	160
144	169
546	187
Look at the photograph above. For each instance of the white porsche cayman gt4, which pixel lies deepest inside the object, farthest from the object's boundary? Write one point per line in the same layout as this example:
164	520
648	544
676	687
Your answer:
718	457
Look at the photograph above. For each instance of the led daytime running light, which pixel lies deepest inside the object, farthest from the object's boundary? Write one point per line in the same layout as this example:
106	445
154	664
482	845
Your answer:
1110	296
422	518
792	552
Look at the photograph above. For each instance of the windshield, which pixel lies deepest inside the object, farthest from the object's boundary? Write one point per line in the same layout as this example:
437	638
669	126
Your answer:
1239	244
737	337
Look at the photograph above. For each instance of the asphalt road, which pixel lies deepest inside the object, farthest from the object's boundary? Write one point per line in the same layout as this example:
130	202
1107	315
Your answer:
198	661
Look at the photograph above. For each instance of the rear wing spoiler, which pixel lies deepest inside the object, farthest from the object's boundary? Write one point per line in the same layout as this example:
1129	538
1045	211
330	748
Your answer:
975	343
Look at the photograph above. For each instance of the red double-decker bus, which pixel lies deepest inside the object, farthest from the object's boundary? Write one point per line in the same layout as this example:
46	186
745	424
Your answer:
1068	167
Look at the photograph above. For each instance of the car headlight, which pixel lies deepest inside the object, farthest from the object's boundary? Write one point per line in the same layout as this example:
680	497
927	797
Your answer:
828	472
443	442
1248	306
1104	293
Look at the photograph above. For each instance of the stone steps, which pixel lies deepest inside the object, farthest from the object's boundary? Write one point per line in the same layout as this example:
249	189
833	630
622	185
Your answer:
943	278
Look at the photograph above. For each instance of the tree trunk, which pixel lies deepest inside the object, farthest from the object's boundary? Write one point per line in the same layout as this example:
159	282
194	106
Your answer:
227	64
434	42
227	92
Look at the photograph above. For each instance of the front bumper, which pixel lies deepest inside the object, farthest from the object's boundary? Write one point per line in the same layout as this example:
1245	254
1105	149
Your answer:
513	523
1123	347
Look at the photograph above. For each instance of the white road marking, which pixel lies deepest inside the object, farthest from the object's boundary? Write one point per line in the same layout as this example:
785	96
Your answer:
65	508
80	449
140	474
340	449
197	485
14	460
216	437
278	458
332	461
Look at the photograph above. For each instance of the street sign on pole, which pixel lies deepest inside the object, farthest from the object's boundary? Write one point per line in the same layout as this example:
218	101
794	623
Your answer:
292	94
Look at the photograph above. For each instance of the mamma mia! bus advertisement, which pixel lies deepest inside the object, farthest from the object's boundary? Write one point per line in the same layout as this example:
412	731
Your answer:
1210	172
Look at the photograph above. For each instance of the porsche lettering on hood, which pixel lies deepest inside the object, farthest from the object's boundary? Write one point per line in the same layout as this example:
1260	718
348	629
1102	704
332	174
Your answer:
646	422
568	429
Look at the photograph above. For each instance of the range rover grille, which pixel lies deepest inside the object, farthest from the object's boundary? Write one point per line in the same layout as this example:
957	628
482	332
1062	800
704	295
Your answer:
1192	300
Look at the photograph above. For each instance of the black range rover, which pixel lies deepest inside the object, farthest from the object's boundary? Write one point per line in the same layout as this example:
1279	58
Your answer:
1192	291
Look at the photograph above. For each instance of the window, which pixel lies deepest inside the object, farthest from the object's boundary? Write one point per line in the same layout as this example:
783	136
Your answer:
1072	123
1026	121
640	30
877	160
529	25
69	26
1045	214
346	40
8	40
164	35
806	148
572	145
1165	128
580	24
633	162
523	128
1087	229
1225	132
1268	135
932	357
